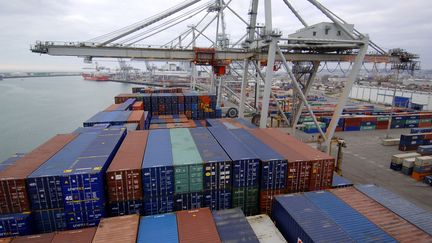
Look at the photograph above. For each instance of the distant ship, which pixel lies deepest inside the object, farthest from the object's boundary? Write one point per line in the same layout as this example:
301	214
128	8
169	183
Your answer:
96	76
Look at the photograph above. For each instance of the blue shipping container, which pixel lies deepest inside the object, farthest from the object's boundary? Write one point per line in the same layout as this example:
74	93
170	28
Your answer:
110	117
120	208
158	205
49	220
352	222
10	161
232	226
273	165
15	224
217	199
217	164
405	209
300	221
245	164
187	201
44	184
158	228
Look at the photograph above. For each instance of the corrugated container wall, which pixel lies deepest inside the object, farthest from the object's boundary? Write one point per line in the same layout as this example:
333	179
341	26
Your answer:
124	175
353	223
232	226
197	226
265	229
158	228
158	174
41	238
117	229
394	225
75	236
13	189
299	220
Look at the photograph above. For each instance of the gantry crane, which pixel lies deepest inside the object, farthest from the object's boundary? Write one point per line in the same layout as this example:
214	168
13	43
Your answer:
306	49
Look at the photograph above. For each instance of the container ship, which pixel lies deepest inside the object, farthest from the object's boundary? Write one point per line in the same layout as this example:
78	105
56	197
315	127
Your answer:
95	76
162	165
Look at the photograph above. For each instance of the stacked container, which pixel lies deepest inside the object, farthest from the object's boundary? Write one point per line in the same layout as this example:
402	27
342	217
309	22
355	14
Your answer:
158	174
117	229
422	167
398	122
80	235
158	228
397	160
265	230
425	150
44	185
378	214
273	168
125	192
232	226
217	176
197	226
188	170
41	238
382	122
108	117
245	170
408	166
368	123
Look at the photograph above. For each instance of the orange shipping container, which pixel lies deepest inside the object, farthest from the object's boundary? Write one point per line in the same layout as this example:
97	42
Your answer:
391	223
122	229
112	107
139	105
197	226
41	238
137	117
75	236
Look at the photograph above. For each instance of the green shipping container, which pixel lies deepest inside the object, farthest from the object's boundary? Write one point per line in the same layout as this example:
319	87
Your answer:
367	128
416	121
188	165
425	120
311	125
382	118
247	199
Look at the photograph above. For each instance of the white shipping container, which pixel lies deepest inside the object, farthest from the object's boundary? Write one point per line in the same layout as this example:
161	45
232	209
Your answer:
398	158
265	229
423	161
409	163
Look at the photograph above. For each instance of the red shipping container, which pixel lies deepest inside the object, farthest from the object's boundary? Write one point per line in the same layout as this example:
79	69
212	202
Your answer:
122	229
139	105
266	199
197	226
112	107
138	117
40	238
124	173
13	189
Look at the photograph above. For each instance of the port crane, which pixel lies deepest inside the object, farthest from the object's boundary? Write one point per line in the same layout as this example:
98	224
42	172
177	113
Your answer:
299	55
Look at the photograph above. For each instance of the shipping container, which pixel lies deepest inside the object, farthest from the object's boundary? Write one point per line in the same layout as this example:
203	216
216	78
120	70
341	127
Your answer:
353	223
44	183
188	164
273	167
41	238
123	176
397	160
10	161
265	230
197	226
83	182
110	117
119	208
158	173
245	163
187	201
75	236
118	229
394	225
6	240
158	228
405	209
13	188
340	181
300	221
232	226
217	164
217	199
49	220
16	224
247	199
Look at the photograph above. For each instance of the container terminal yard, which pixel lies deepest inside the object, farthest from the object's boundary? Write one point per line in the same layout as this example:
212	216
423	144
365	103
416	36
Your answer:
247	148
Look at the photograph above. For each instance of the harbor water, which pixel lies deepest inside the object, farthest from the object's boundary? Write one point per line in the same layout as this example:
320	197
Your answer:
34	109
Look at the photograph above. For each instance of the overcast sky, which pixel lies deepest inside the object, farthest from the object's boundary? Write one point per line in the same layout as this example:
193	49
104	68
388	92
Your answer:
390	24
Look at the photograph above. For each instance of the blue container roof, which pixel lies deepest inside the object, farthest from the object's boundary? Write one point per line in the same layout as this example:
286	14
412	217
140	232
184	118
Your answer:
355	224
340	181
405	209
313	222
66	156
262	150
245	122
10	161
158	228
232	226
215	122
159	150
98	154
235	149
208	147
109	116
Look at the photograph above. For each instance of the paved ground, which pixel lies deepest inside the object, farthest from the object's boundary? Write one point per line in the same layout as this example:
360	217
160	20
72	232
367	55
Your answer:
366	161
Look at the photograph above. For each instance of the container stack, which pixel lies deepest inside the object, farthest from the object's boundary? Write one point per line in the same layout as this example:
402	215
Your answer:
265	230
397	160
188	170
117	229
273	168
368	123
158	228
196	226
158	174
425	150
80	235
217	170
410	142
422	167
232	225
125	192
200	106
245	169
